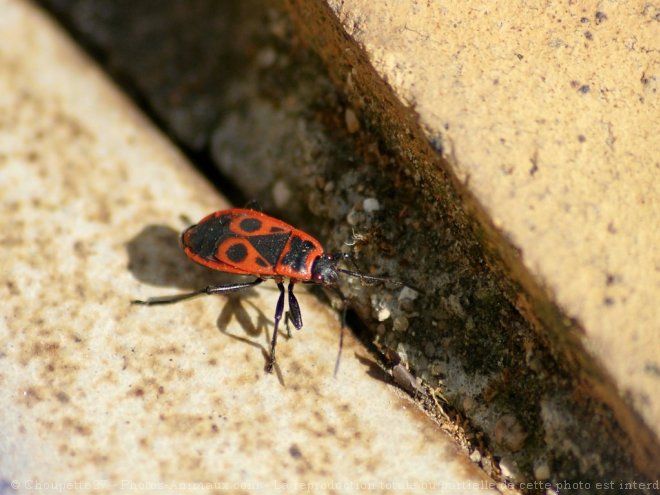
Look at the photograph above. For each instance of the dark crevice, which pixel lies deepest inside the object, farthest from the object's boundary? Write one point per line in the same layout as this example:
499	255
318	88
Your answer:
200	157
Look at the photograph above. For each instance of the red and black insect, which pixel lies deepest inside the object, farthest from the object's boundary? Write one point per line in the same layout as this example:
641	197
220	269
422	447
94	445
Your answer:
248	242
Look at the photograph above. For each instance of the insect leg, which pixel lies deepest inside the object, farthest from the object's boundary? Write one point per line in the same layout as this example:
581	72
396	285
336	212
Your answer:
287	317
253	204
344	309
294	315
211	289
294	308
279	309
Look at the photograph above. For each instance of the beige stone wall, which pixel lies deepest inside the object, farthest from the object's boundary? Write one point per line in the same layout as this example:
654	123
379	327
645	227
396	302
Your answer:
547	122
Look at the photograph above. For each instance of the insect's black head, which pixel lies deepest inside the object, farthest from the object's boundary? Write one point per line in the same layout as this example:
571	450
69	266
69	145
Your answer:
324	270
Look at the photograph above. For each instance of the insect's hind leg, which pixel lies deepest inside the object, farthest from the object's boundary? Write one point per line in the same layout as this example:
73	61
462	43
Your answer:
293	315
279	309
211	289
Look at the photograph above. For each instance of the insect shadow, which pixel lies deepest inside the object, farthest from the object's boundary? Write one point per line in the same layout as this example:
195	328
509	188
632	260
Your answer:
156	259
374	370
235	307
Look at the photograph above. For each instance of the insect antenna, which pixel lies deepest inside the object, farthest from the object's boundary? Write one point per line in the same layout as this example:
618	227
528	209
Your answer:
373	278
370	278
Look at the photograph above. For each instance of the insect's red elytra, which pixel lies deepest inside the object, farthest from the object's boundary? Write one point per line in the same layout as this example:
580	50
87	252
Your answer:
248	242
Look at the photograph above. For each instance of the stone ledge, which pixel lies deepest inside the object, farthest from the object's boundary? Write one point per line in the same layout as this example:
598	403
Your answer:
546	129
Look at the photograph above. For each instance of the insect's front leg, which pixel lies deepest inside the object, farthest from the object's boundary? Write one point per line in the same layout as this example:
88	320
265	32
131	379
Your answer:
344	310
211	289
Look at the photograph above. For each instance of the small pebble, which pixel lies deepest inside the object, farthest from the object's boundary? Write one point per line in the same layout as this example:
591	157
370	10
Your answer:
266	58
509	468
438	368
401	324
281	193
542	471
352	122
370	205
384	314
408	294
353	217
509	433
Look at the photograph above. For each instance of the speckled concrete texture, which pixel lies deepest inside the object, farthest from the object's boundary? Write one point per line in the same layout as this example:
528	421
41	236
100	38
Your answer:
547	119
101	396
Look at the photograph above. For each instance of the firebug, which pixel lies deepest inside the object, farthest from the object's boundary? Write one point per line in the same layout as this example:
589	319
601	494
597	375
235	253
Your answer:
249	242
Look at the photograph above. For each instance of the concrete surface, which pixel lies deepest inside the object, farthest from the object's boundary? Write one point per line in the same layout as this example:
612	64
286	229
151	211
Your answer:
100	396
547	120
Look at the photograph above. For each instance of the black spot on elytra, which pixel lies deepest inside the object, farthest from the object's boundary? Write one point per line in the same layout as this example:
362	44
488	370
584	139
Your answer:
250	225
298	254
204	238
237	252
269	246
